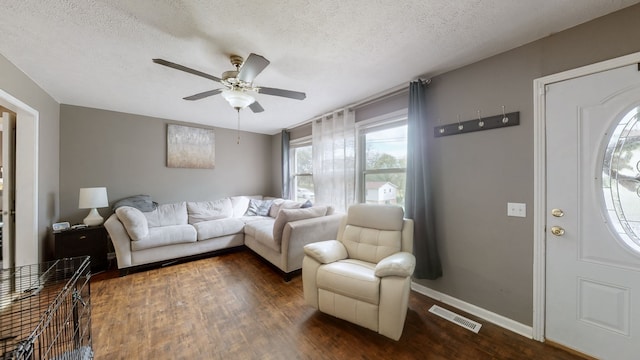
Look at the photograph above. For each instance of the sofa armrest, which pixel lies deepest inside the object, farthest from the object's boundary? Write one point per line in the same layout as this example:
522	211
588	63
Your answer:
297	234
326	252
399	264
120	239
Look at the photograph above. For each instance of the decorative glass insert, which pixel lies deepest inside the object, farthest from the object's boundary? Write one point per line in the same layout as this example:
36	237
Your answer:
621	179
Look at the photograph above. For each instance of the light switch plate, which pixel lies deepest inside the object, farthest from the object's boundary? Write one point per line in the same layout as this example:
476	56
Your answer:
517	209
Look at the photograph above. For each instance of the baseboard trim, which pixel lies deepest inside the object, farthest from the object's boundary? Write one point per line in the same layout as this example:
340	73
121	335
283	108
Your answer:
511	325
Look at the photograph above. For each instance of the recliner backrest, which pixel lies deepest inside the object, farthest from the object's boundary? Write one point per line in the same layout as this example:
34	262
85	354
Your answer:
372	232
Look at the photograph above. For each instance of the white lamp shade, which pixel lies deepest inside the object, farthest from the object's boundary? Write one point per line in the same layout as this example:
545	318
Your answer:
238	99
91	198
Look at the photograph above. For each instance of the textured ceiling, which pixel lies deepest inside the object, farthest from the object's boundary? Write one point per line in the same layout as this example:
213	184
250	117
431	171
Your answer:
97	53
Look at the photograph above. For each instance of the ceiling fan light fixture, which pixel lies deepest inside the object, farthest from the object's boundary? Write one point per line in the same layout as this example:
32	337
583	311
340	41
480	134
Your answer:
238	99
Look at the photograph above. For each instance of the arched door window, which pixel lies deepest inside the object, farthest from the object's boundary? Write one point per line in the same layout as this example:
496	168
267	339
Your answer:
621	179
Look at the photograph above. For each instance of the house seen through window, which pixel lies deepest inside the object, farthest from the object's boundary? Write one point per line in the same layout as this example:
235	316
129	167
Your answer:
382	157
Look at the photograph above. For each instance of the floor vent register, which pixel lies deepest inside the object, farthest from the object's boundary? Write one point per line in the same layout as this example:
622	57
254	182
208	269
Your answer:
455	318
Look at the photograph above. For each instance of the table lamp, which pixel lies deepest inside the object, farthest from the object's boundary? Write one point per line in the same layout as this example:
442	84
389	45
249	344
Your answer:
93	198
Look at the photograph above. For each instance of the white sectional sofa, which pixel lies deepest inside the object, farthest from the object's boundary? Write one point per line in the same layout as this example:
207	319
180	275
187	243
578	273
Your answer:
275	229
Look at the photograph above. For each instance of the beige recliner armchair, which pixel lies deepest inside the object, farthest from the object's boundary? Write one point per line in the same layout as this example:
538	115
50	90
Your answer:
364	276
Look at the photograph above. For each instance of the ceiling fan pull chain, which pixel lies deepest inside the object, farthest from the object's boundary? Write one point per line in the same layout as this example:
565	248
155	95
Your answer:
238	109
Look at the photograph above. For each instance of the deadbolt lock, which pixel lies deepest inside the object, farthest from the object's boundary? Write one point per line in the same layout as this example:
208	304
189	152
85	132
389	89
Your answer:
557	213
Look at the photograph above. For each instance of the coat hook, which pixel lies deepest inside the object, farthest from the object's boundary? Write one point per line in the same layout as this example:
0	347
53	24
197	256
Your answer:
441	130
460	126
480	121
505	119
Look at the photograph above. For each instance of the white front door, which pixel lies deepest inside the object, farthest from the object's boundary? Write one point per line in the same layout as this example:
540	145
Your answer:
593	213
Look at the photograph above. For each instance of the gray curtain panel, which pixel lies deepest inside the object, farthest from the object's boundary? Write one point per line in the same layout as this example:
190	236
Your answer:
286	178
418	199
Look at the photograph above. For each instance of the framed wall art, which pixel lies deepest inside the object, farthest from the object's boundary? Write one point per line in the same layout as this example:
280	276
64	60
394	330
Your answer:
190	147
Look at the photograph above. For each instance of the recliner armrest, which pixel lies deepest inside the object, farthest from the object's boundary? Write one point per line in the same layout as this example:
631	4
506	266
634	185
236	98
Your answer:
326	252
399	264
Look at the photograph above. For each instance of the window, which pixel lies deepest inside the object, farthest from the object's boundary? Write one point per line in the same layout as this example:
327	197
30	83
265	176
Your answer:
302	170
383	162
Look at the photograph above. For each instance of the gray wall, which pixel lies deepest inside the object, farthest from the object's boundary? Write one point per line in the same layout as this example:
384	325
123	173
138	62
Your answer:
487	256
127	154
276	165
18	85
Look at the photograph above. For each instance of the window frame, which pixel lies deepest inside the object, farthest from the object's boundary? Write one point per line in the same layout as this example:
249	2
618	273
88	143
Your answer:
305	141
388	121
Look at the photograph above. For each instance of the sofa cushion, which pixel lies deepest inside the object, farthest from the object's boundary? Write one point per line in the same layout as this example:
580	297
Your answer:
288	215
241	204
259	207
351	278
168	214
216	228
166	235
280	204
250	219
262	232
209	210
330	209
134	221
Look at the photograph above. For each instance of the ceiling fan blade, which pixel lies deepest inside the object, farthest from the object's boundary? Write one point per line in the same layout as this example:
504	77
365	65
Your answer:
252	67
284	93
256	107
203	95
185	69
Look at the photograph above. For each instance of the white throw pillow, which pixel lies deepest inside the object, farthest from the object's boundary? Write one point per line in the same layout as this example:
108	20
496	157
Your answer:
134	222
280	204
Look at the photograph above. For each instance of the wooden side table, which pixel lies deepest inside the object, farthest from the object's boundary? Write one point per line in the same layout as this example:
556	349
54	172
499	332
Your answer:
92	241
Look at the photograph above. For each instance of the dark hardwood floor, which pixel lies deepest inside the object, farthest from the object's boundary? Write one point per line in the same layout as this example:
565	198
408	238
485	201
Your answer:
234	306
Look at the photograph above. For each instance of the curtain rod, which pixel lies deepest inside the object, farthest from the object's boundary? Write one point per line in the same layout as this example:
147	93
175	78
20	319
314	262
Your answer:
371	99
388	93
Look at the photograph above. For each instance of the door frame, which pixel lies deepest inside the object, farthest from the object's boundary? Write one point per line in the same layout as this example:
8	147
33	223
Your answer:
26	227
539	177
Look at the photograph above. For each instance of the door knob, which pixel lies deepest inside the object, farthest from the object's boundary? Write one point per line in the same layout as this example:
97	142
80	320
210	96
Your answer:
557	212
557	230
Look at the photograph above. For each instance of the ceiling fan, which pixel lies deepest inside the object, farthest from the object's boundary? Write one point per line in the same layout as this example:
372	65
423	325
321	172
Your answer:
238	82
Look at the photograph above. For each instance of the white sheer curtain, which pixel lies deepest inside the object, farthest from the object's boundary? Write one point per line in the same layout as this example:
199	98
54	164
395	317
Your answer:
334	159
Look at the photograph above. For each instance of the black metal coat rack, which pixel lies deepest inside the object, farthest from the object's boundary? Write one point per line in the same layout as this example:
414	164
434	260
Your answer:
479	124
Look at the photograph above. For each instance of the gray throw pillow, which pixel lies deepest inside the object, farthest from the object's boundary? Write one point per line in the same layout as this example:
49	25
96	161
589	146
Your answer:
259	207
140	202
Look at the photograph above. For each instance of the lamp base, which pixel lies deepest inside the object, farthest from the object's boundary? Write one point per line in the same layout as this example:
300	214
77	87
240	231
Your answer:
93	219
